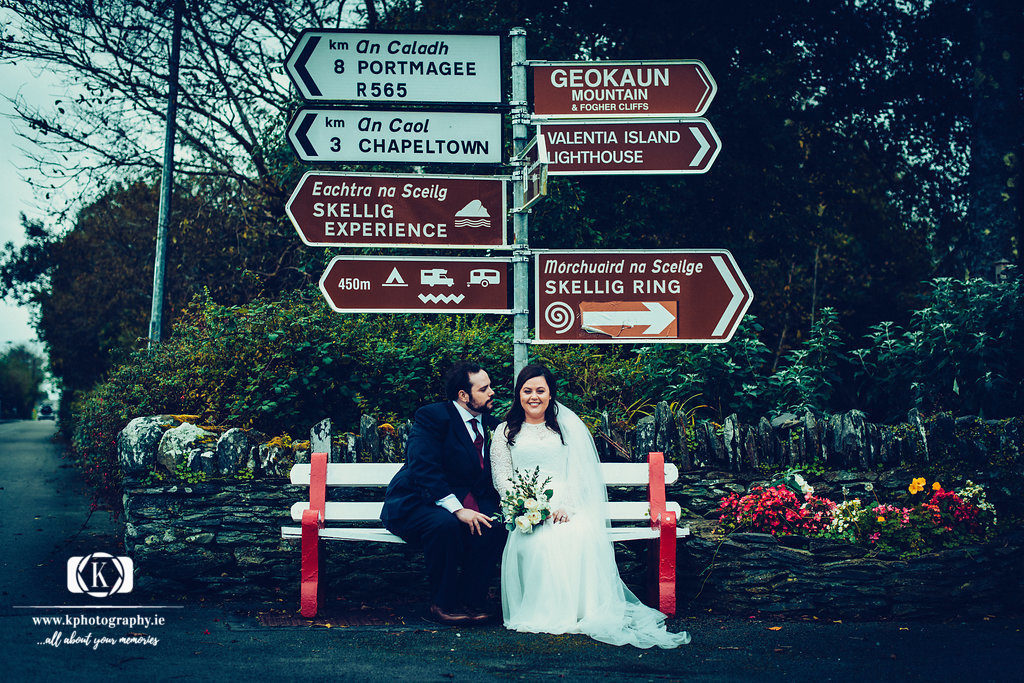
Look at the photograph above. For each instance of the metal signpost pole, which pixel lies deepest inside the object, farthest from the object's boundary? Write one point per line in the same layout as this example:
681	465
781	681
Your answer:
520	216
166	185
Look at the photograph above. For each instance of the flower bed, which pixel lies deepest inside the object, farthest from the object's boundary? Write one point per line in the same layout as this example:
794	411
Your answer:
920	522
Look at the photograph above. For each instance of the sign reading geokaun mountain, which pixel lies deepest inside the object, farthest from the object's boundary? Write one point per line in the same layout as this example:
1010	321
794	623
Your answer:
617	88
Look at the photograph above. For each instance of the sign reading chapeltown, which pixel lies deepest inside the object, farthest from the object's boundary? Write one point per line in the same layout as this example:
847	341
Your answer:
399	210
406	136
342	65
617	88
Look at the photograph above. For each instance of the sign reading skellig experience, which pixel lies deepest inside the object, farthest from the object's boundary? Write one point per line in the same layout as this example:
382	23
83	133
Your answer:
399	210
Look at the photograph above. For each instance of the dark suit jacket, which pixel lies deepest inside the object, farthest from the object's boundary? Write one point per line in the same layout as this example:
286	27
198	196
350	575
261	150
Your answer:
439	460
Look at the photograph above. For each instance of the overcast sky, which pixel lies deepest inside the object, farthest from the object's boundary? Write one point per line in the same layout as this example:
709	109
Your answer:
16	196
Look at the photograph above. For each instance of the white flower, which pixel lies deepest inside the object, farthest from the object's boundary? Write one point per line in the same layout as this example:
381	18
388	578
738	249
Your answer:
533	516
869	487
531	504
523	524
802	484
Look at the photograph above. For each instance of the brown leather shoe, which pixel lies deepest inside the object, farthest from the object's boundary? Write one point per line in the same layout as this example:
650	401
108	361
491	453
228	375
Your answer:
479	615
449	618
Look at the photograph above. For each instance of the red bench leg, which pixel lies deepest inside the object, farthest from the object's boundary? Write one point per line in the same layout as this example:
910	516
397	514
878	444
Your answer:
312	521
662	560
667	564
310	574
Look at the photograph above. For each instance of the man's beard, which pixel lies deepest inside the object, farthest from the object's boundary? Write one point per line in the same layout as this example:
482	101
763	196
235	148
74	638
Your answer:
486	407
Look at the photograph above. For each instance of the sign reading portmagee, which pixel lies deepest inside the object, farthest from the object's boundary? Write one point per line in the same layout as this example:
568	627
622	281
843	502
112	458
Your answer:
399	210
615	88
345	65
404	284
610	147
696	296
405	136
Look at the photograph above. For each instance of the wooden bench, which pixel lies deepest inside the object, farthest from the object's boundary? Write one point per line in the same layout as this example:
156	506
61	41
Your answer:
652	519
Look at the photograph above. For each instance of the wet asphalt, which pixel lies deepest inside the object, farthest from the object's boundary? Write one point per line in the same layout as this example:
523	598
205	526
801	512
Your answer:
45	519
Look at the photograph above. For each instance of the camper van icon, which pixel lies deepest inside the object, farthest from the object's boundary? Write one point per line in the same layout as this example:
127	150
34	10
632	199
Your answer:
436	276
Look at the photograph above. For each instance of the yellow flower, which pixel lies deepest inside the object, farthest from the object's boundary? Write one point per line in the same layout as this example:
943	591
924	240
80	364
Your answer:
917	485
936	486
881	519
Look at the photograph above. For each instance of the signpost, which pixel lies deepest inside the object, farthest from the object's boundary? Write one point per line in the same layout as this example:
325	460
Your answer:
592	118
601	297
406	136
340	65
402	284
400	210
611	147
627	89
534	171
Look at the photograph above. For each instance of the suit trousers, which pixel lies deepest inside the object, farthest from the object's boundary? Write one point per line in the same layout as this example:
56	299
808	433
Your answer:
448	547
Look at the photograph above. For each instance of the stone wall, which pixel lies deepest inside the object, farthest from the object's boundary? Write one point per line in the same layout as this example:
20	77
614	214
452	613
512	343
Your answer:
749	573
223	541
220	536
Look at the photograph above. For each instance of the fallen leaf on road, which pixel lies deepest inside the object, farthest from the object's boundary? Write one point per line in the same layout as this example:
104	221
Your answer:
904	628
774	628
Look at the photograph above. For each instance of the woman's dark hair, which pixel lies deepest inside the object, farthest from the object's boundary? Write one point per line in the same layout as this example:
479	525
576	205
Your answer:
516	415
457	379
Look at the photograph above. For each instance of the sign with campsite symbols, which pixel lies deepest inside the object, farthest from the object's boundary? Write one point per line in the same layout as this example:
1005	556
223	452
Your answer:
617	147
342	65
406	284
685	296
400	210
401	136
617	88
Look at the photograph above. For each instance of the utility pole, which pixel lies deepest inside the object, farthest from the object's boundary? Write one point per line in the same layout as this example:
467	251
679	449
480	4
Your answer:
520	216
166	182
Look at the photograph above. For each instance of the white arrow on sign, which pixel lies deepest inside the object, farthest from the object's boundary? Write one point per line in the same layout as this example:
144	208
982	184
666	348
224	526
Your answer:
653	314
704	147
734	289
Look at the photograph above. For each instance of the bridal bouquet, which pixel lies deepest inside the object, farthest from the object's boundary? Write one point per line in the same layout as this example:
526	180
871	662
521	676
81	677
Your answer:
527	503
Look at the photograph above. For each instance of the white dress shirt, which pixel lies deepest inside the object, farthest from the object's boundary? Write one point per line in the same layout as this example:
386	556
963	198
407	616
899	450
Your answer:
451	503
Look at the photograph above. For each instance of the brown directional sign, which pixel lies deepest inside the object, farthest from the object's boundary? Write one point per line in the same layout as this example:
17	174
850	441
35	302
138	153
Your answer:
614	88
595	297
399	284
616	147
399	210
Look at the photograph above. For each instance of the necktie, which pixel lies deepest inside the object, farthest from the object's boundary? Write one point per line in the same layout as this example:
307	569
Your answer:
478	443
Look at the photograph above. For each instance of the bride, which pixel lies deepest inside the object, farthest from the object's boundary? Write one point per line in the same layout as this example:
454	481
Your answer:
562	577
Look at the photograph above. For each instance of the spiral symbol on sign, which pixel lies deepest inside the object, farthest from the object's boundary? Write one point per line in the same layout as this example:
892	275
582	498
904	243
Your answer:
560	316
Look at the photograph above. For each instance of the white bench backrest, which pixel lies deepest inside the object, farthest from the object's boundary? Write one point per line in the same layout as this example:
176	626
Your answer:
380	473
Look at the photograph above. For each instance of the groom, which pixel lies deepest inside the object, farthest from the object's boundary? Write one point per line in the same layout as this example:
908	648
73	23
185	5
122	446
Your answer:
443	499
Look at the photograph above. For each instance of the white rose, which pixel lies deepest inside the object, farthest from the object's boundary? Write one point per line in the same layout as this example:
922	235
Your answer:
531	504
533	516
523	524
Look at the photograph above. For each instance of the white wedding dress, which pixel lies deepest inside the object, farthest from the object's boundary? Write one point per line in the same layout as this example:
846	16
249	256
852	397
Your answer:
562	578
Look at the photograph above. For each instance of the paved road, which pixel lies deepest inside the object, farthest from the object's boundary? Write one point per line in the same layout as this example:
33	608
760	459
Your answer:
44	517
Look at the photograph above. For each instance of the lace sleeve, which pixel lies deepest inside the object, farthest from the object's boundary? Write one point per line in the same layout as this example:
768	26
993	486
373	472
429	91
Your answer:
501	461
